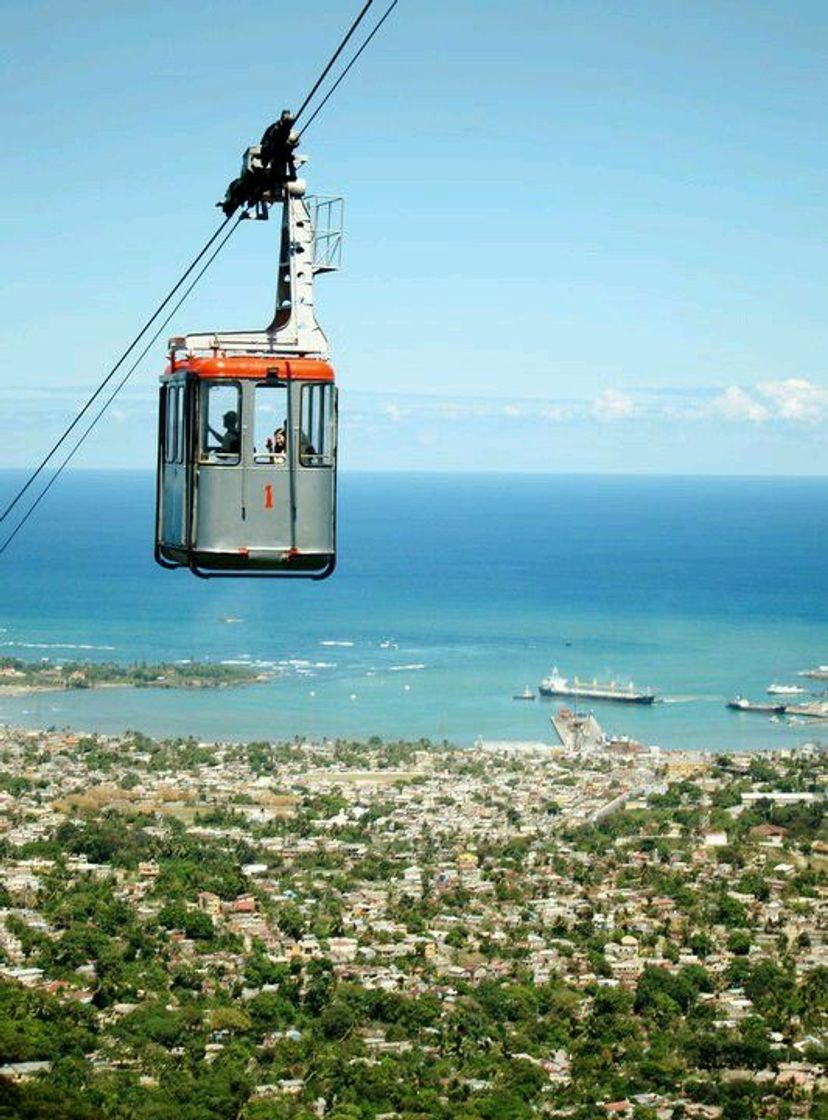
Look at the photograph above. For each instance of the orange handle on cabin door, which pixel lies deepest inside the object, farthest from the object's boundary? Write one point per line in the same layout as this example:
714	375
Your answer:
268	495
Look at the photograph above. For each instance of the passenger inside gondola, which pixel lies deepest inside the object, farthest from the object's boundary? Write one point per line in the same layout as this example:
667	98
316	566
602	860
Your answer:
221	431
277	446
230	439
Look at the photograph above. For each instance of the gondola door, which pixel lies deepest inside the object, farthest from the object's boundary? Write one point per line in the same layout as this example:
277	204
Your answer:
270	508
173	505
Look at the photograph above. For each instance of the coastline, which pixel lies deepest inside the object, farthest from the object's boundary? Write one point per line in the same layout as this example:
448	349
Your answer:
240	731
32	689
103	686
26	678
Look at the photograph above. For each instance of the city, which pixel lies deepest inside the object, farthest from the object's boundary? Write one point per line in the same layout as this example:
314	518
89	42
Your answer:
346	930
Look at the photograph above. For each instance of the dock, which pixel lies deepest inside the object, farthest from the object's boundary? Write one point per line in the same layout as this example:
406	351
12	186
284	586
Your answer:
818	674
577	732
815	709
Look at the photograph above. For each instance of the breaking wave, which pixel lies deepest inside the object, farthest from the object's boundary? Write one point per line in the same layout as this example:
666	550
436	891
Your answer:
56	645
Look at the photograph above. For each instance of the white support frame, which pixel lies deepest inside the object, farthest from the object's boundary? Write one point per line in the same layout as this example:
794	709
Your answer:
303	254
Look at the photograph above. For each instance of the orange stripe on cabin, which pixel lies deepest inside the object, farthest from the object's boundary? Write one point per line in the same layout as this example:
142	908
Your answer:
256	369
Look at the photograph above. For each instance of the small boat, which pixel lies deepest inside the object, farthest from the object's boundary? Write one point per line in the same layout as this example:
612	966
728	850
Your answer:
741	704
527	694
785	689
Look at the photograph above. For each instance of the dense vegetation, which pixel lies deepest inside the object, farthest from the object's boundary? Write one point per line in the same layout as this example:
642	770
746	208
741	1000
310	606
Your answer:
91	674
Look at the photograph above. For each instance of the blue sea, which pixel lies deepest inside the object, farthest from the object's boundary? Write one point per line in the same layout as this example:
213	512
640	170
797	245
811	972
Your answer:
452	593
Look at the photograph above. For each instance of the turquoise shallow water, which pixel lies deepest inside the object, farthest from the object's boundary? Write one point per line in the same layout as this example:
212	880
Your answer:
452	593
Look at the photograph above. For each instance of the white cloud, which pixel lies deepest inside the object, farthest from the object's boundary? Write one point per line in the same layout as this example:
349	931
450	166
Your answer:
556	413
796	398
453	411
395	413
735	404
683	413
793	400
612	405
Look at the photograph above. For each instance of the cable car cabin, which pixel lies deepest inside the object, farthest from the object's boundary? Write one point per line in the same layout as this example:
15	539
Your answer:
246	466
247	425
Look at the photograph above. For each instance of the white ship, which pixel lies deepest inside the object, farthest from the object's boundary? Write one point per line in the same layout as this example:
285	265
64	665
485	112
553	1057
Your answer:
785	689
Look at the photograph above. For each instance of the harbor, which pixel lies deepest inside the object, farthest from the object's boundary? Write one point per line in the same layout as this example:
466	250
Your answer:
481	639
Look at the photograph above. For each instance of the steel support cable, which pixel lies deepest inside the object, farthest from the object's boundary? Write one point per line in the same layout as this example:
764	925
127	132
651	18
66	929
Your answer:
344	73
68	431
333	59
79	442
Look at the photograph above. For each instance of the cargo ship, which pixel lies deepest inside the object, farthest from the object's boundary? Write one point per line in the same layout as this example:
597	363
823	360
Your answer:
556	685
741	704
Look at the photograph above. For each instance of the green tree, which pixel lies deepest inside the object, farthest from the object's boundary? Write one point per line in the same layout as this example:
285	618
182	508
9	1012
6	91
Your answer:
739	943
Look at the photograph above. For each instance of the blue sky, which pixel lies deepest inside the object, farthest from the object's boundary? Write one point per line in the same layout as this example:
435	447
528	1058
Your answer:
579	236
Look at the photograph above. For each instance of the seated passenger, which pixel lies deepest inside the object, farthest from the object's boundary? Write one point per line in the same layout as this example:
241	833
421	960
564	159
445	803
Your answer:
277	446
230	438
